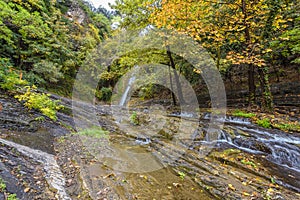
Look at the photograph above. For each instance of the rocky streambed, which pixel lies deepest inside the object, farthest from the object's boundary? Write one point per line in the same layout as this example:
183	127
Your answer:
164	156
28	164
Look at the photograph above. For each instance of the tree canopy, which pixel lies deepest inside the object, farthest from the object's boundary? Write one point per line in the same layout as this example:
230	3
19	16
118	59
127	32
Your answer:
236	33
49	40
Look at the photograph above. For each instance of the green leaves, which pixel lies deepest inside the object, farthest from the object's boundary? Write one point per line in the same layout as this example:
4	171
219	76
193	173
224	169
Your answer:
135	13
39	101
39	39
9	77
239	113
264	123
288	44
134	119
50	71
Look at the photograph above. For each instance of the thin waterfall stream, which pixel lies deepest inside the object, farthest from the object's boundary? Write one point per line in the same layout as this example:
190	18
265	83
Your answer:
125	94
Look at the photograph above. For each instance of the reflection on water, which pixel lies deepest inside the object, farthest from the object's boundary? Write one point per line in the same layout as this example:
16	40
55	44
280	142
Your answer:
180	147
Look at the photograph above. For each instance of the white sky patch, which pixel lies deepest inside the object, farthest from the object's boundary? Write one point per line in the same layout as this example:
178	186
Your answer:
103	3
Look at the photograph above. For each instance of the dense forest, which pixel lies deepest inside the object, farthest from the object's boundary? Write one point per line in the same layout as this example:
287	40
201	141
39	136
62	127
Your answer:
260	38
112	104
47	41
254	42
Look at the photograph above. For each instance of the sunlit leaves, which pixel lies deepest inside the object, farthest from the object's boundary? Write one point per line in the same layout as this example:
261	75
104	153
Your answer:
216	24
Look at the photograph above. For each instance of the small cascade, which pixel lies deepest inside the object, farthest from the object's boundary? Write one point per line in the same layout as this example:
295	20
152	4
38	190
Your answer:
183	114
287	155
229	119
237	120
125	94
224	136
279	148
143	140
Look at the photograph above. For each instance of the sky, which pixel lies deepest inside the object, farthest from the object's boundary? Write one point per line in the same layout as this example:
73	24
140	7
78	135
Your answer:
104	3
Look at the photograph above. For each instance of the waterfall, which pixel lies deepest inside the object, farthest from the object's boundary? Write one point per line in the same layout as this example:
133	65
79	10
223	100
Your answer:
125	94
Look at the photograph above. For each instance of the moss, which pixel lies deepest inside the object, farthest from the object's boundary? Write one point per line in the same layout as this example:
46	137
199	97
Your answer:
96	132
288	126
3	190
239	113
248	162
264	123
134	119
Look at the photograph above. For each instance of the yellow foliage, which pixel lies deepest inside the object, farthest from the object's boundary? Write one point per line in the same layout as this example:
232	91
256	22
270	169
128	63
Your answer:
220	22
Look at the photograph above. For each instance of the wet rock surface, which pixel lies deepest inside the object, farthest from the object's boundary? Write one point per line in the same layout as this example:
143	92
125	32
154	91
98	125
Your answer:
149	160
22	126
243	163
26	147
23	175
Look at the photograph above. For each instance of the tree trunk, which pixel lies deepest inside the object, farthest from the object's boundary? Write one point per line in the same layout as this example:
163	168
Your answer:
218	58
267	99
178	85
19	58
251	85
251	80
171	83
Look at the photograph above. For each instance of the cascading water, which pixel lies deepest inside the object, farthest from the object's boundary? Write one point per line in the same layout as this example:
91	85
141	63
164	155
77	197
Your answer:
125	94
278	147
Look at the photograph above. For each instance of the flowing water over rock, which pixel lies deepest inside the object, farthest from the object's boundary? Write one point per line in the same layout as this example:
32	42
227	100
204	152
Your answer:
168	155
125	95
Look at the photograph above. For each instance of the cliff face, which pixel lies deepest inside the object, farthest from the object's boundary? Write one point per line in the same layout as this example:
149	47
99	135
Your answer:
76	13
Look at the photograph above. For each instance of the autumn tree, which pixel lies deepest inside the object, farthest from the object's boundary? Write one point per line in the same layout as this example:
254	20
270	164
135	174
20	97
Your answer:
239	30
136	16
286	47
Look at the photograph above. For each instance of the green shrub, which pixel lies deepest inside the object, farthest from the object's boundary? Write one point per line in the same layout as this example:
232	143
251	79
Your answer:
96	132
181	175
239	113
11	80
264	123
104	94
34	79
2	185
40	119
50	71
12	197
3	190
247	162
9	77
41	102
288	127
134	119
